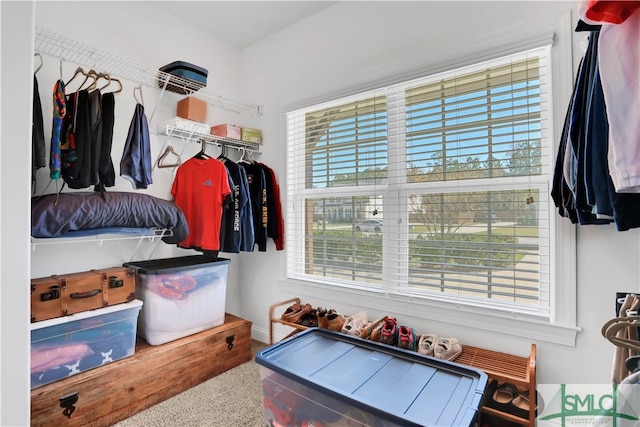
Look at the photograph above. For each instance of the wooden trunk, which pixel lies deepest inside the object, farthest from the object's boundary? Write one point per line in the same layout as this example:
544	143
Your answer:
110	393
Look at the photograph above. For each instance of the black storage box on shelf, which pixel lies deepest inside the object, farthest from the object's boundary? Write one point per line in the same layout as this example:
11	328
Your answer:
185	78
328	377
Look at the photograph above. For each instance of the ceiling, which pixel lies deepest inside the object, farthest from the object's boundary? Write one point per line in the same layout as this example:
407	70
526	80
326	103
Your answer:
241	23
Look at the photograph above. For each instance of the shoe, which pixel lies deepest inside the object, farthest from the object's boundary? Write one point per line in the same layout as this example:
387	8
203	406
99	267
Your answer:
389	332
447	349
310	319
290	310
370	327
353	324
407	338
500	396
322	318
520	406
335	321
426	343
296	315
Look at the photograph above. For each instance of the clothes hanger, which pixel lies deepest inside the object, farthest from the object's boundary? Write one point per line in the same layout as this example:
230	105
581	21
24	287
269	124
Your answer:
79	71
223	152
167	152
202	154
113	79
37	55
139	89
611	328
242	156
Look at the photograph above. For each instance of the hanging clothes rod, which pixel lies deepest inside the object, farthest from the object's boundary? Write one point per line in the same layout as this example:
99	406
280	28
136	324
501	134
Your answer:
62	47
188	135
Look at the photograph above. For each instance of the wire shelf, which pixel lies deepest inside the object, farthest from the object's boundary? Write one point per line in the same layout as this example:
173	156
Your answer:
59	46
208	138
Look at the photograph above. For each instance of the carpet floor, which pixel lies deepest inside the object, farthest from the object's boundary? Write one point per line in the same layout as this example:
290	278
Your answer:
231	399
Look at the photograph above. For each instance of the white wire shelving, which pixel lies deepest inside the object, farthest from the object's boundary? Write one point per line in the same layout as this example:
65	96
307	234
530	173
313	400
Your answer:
194	136
50	43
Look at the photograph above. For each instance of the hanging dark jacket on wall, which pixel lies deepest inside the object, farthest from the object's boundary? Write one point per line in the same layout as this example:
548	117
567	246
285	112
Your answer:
135	164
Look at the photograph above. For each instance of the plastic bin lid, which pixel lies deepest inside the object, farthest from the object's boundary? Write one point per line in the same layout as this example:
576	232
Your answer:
183	65
173	265
397	385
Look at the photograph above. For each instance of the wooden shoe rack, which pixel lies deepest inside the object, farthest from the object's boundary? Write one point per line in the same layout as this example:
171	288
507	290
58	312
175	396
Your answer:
273	319
502	367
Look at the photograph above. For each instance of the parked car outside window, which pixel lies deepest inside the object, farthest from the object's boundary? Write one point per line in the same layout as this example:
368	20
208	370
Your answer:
369	225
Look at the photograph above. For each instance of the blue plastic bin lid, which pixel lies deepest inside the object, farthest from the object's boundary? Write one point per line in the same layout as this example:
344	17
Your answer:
394	384
175	265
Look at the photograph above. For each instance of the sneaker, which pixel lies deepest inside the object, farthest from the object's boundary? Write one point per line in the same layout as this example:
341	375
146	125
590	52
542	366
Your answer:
371	327
447	349
353	324
426	343
407	338
389	333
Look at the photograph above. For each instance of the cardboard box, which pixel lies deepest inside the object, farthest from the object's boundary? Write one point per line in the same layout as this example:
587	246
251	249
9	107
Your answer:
192	108
252	135
332	377
66	346
182	296
227	130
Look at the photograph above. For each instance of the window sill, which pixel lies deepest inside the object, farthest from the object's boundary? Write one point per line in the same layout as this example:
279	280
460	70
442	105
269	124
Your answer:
480	318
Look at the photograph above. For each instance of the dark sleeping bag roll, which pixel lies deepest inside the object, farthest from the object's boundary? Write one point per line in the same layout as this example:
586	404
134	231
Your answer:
54	215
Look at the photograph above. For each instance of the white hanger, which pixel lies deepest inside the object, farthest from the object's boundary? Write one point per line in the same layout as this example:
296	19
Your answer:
141	100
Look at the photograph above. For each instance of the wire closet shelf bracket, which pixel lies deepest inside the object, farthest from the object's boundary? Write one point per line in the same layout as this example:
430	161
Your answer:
62	47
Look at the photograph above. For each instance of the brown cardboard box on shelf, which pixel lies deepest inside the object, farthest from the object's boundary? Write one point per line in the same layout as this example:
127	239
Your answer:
193	109
227	130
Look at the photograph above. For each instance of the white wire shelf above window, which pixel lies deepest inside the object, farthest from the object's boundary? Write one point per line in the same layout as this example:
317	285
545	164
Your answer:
50	43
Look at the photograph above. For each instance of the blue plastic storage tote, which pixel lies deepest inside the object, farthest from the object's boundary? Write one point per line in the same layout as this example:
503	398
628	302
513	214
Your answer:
328	377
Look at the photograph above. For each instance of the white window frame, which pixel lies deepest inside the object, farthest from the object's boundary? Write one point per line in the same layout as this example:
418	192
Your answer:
560	327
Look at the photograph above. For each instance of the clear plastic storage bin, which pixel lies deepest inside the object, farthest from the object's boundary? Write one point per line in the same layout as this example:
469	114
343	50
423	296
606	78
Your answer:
68	345
182	296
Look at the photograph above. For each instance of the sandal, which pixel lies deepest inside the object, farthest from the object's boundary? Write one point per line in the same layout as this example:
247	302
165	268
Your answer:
500	396
521	405
296	315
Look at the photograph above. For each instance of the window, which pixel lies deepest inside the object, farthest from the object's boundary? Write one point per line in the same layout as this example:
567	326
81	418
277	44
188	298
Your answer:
435	189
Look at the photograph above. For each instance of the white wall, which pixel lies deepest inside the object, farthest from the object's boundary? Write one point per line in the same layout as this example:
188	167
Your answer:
346	44
352	43
137	32
16	107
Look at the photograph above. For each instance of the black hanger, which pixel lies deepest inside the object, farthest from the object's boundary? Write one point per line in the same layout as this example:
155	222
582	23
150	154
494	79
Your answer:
223	152
633	364
201	154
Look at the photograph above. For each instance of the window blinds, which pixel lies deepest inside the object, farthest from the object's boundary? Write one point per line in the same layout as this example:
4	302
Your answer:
435	187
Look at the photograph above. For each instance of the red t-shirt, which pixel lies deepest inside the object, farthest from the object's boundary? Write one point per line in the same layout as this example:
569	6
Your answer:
199	190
